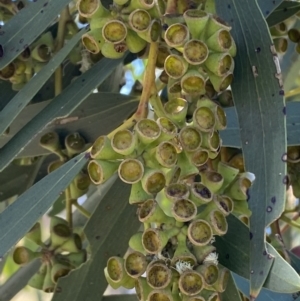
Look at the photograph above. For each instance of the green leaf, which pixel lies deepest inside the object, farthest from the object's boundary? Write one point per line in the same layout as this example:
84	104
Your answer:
60	107
260	108
295	261
108	232
231	293
267	7
18	218
26	26
231	135
234	255
16	105
265	295
6	93
284	11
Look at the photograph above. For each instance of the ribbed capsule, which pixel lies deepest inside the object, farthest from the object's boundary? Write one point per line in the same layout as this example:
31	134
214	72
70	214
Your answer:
100	170
195	52
200	232
159	275
177	35
196	21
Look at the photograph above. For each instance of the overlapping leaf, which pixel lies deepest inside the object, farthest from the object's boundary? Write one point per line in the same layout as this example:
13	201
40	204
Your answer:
257	93
284	11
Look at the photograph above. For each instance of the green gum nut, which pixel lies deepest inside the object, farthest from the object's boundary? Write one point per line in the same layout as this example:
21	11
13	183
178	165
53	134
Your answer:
209	295
182	252
147	131
238	189
135	242
220	41
102	149
232	50
278	30
177	35
59	270
73	244
193	83
88	8
93	41
176	109
37	280
75	144
175	66
100	171
221	283
170	194
144	4
190	138
35	234
294	35
142	289
18	79
211	141
8	71
281	45
173	88
23	255
120	2
48	285
79	185
25	55
54	165
210	273
199	157
200	194
219	63
195	52
204	119
216	219
159	275
110	281
138	194
172	175
139	20
117	274
198	297
41	53
134	43
114	31
201	252
241	209
196	21
153	32
212	180
153	181
228	172
168	130
154	240
124	142
60	231
220	83
135	264
200	232
75	259
113	51
215	24
150	212
131	171
158	9
50	141
163	53
191	283
96	23
184	210
187	168
163	295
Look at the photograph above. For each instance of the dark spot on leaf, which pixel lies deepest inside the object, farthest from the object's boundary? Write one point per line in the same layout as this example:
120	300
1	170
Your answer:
1	51
248	195
229	6
264	253
165	26
231	20
83	80
273	95
257	50
285	9
281	92
21	41
45	4
227	256
76	161
42	11
267	12
2	33
273	200
285	180
251	235
17	50
284	157
269	209
261	273
284	110
87	155
98	237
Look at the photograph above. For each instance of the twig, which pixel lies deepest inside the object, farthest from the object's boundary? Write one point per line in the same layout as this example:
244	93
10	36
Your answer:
290	222
286	227
69	201
293	92
81	209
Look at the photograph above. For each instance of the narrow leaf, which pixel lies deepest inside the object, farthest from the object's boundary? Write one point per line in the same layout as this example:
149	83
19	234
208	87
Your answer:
284	11
267	7
235	256
26	26
19	217
295	261
260	106
15	106
61	106
108	232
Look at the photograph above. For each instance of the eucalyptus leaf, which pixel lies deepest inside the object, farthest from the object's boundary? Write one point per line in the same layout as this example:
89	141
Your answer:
231	293
295	261
60	107
258	98
16	105
17	219
26	26
108	232
267	7
284	11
